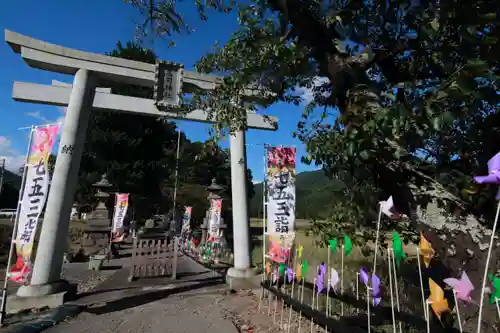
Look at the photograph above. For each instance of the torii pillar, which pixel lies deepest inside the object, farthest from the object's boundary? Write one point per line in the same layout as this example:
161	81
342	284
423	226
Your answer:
169	80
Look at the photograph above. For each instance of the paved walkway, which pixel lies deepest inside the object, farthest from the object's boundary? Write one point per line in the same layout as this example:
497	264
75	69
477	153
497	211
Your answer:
191	304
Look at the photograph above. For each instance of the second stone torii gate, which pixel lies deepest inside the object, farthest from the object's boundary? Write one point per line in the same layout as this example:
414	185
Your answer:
169	80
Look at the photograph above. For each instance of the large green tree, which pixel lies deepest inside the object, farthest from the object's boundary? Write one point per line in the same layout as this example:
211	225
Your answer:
406	91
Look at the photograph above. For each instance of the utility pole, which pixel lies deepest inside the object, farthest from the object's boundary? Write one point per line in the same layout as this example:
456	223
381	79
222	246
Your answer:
2	171
173	226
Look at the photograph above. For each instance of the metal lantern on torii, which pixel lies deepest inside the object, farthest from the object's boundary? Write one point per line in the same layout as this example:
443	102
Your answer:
83	96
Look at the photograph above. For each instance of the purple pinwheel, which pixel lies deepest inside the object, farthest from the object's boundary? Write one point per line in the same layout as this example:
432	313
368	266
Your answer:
493	176
289	274
375	287
363	276
377	294
320	279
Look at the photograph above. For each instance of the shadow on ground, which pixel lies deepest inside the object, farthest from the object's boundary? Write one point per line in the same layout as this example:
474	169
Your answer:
140	283
148	297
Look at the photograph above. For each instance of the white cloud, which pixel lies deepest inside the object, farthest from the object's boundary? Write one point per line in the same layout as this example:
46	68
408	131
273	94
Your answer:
13	159
307	94
255	182
39	116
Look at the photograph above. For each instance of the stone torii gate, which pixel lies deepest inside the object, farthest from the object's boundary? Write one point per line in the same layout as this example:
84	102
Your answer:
168	80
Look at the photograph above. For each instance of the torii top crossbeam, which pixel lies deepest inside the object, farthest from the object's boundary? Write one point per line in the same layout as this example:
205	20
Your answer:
59	59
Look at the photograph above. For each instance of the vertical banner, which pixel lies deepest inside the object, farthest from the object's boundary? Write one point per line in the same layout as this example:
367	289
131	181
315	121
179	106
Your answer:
281	190
186	220
121	207
280	247
34	196
215	214
280	202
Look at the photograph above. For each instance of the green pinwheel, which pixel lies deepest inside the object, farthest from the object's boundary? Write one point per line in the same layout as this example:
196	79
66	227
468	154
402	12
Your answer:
397	247
333	245
282	269
304	269
495	293
347	245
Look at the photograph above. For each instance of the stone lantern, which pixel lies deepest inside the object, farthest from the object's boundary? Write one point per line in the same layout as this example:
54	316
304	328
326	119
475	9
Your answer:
101	213
98	226
214	192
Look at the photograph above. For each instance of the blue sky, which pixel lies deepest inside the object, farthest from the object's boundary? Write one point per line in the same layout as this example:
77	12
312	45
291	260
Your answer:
96	26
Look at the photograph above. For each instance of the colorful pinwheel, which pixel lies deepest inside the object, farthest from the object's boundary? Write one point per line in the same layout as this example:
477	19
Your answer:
493	176
397	247
426	250
320	279
462	287
389	210
375	285
334	279
439	304
495	293
289	274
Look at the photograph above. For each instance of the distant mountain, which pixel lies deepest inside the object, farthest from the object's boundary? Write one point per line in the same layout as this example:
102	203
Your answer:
10	190
314	192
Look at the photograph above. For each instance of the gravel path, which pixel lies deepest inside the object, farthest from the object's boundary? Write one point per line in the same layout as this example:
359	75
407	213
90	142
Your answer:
197	311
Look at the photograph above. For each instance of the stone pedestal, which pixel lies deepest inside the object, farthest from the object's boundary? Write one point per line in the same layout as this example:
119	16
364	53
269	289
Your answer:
238	279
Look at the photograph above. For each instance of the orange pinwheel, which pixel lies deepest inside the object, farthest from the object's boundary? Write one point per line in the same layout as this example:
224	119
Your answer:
298	271
426	250
268	268
438	303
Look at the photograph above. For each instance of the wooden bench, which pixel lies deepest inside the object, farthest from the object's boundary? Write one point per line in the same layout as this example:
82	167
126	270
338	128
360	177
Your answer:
153	256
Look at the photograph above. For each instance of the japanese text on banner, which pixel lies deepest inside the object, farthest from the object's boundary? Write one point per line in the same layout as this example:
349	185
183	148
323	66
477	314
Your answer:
186	220
120	211
281	190
34	196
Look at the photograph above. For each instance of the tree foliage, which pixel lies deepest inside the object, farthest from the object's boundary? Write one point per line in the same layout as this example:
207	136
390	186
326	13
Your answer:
406	91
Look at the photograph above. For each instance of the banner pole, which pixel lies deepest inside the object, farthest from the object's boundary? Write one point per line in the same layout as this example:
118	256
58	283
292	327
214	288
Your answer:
14	229
112	228
264	209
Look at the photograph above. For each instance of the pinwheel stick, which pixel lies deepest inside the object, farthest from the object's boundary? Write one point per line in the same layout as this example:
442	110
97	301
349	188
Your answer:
428	307
275	303
328	282
283	301
271	296
290	312
421	283
357	289
301	301
368	307
486	268
376	238
498	306
327	302
342	280
458	311
261	297
312	304
396	285
391	291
